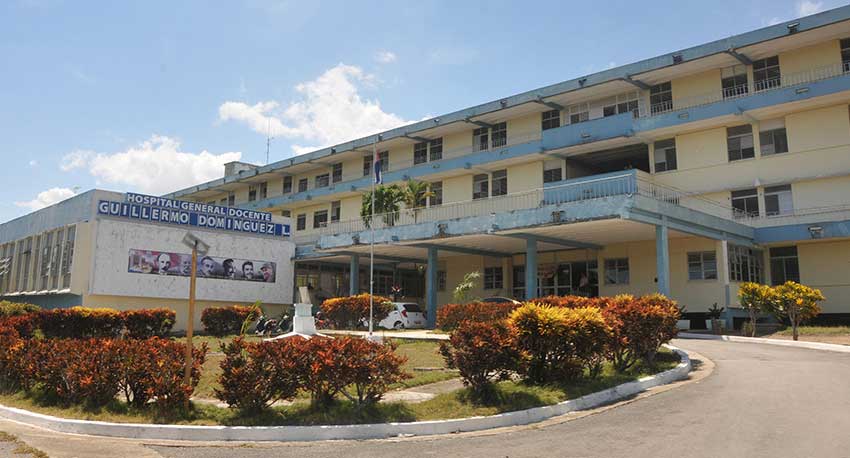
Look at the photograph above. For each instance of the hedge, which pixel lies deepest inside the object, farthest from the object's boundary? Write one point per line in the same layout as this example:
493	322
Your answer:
638	327
451	316
351	312
146	323
480	352
83	322
8	309
223	321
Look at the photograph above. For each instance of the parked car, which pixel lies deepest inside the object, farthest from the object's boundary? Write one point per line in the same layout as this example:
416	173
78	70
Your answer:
407	315
501	300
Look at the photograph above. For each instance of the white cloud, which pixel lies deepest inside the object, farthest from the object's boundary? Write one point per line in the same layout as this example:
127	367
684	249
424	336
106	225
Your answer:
385	57
330	110
773	21
155	166
807	7
33	163
47	198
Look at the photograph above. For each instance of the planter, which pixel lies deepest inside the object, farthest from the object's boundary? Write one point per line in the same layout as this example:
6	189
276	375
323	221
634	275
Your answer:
717	326
683	325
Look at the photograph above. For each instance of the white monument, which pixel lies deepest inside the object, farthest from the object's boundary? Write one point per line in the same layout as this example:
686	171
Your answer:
303	323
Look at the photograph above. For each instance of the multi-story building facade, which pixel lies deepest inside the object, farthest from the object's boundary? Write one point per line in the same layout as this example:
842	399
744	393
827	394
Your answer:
686	173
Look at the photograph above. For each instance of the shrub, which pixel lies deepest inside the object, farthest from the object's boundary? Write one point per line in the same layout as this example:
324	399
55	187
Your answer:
755	298
254	375
351	312
797	303
154	369
557	343
638	327
563	301
25	325
73	371
222	321
450	316
81	322
481	352
146	323
8	309
11	347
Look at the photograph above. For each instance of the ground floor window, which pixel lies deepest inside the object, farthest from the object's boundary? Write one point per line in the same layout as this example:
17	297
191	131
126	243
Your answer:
579	278
702	265
493	278
441	280
617	271
745	264
784	265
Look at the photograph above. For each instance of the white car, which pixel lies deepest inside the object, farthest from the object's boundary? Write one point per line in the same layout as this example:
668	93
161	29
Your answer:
407	315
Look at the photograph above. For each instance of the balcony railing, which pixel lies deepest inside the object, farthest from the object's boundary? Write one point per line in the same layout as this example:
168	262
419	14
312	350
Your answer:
804	216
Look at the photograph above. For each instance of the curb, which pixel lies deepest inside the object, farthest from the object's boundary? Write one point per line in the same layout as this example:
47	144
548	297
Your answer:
782	343
348	432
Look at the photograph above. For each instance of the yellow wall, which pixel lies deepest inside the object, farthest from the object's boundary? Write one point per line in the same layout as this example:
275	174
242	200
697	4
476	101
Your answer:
810	57
523	127
525	177
83	259
457	189
817	129
825	265
695	86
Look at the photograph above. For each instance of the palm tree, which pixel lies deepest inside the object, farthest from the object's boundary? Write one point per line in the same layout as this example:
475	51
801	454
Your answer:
414	194
387	200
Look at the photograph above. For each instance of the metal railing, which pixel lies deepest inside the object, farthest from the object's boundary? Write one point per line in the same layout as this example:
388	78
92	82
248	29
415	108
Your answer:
804	216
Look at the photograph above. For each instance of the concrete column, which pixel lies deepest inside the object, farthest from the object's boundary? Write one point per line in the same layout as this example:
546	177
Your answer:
530	268
431	287
723	268
354	275
662	259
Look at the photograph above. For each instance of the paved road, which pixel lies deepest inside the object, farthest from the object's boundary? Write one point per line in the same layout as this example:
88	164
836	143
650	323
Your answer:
761	401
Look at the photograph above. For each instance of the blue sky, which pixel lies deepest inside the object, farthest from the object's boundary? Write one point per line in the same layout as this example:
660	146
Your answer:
151	96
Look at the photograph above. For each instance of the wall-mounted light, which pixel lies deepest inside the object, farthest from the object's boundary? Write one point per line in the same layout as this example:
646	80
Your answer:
503	103
793	27
581	81
436	120
801	90
816	232
585	135
677	58
684	115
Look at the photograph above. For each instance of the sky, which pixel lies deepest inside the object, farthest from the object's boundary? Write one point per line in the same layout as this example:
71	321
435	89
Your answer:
154	96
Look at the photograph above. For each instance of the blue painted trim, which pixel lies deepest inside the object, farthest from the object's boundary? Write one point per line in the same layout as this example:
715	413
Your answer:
798	232
48	301
431	287
619	73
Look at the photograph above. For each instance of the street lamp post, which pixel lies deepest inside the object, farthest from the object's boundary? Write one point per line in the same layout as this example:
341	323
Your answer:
198	247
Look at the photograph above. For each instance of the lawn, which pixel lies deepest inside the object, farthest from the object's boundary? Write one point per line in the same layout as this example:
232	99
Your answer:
825	334
510	396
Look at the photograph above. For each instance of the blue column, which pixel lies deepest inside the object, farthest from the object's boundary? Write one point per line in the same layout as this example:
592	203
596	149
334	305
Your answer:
662	259
354	275
530	268
431	287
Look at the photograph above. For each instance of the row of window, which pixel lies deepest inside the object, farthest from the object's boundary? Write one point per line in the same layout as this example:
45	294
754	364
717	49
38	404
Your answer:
744	265
38	263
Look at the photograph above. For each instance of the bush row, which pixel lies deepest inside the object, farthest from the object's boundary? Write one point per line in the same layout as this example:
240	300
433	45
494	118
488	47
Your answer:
94	371
546	343
254	375
450	316
351	312
223	321
83	322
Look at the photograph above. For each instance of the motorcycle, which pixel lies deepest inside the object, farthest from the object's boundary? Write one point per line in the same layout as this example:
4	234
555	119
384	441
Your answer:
268	327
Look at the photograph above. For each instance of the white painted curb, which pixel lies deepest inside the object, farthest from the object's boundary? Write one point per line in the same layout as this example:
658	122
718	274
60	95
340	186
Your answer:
371	431
778	342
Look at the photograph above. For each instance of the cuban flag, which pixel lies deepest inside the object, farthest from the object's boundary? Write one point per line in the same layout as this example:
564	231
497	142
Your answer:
378	178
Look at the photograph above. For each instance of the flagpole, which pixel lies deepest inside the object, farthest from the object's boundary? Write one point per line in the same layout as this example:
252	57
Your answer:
372	236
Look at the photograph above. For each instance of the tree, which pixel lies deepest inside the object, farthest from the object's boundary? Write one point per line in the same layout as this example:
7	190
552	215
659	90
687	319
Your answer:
755	299
387	200
461	292
414	194
797	303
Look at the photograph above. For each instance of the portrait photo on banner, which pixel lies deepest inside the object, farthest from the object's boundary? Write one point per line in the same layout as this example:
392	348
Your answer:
180	264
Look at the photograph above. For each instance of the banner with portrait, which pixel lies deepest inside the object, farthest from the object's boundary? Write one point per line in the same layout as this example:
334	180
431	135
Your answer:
180	265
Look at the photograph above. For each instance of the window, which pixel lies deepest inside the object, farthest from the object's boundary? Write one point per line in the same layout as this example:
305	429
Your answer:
480	186
436	149
302	185
252	193
480	139
499	135
665	155
367	165
420	153
702	266
661	98
437	197
46	250
551	119
493	278
617	271
286	213
579	113
745	203
519	282
552	171
320	219
441	280
778	200
745	264
773	137
323	180
231	199
264	190
766	74
287	185
383	158
739	142
734	81
500	183
622	103
301	222
55	261
336	172
336	211
845	54
784	265
25	250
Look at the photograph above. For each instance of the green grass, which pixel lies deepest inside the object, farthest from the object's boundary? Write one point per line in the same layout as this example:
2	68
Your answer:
508	396
817	331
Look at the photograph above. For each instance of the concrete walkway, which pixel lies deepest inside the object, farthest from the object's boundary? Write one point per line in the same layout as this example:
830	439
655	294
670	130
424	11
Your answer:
417	334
